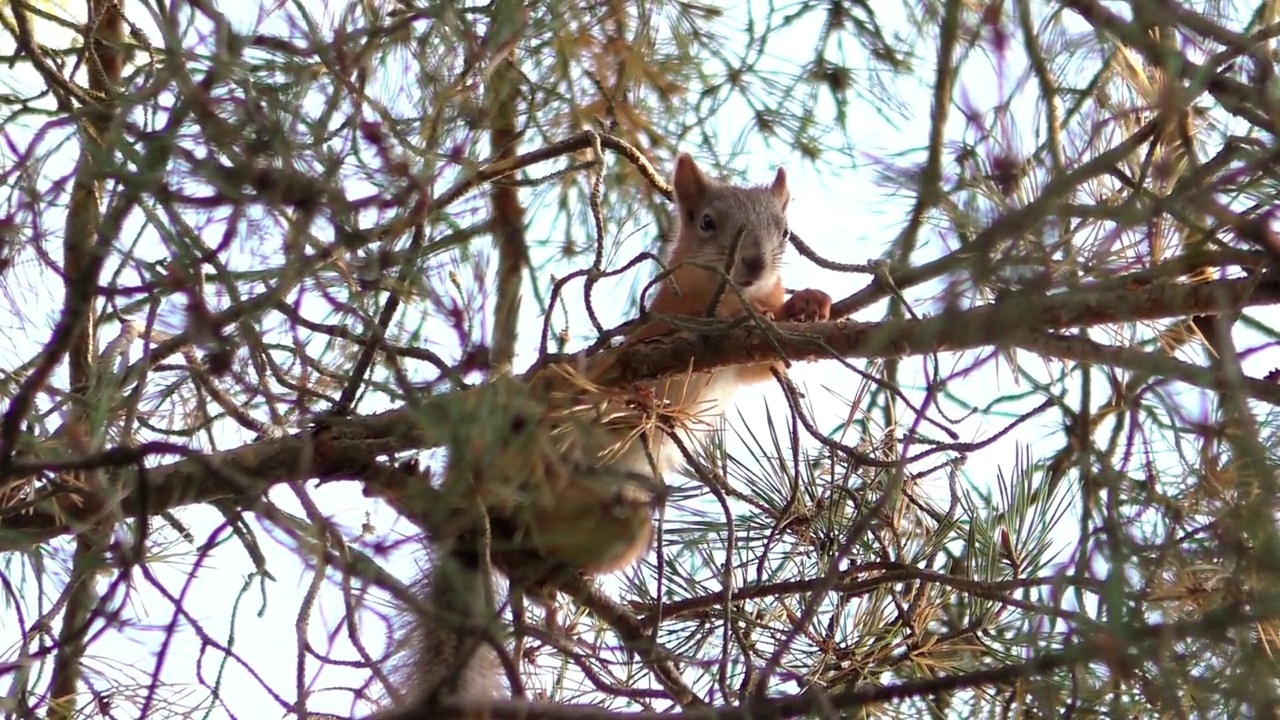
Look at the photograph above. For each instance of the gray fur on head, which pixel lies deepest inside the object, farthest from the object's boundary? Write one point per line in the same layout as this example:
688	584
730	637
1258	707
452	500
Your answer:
713	214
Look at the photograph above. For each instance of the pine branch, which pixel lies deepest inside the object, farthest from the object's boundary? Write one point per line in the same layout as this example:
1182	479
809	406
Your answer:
246	472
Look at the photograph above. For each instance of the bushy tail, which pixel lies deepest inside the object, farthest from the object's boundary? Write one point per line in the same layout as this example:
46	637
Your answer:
445	655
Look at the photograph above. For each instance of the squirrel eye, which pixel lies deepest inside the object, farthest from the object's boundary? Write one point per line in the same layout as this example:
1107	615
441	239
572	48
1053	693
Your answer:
707	223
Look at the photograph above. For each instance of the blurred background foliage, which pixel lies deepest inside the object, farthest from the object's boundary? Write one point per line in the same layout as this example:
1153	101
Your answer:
222	221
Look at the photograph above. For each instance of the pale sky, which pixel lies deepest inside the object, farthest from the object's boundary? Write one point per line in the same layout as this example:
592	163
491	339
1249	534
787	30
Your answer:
844	216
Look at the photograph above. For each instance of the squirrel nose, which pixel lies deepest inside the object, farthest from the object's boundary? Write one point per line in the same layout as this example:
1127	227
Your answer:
753	264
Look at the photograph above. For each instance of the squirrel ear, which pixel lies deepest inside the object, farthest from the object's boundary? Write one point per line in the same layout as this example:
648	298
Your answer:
779	189
689	182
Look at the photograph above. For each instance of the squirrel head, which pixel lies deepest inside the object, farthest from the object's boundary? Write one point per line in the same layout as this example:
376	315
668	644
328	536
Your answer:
713	214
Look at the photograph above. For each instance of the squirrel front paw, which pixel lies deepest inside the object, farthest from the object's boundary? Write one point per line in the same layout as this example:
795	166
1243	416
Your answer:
807	306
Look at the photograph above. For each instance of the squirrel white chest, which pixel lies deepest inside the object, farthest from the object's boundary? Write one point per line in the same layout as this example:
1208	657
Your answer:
705	396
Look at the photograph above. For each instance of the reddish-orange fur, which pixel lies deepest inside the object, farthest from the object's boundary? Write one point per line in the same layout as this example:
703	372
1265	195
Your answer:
688	292
689	289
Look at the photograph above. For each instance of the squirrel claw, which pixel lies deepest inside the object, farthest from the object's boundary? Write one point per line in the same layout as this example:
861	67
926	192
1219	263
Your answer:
808	306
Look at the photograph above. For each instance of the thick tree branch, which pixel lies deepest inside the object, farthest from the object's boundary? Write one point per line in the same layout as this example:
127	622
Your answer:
86	244
503	96
1009	321
1012	321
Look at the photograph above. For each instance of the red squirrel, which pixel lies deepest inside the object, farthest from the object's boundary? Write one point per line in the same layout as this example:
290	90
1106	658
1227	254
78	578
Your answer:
581	517
711	216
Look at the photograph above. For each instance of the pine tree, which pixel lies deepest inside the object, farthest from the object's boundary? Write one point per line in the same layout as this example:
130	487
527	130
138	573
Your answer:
264	262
